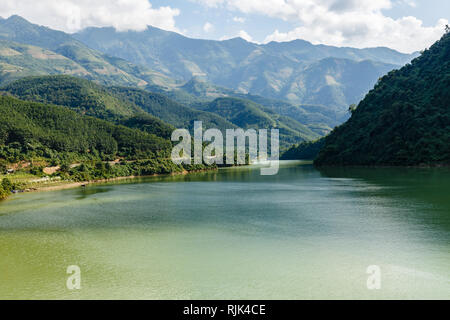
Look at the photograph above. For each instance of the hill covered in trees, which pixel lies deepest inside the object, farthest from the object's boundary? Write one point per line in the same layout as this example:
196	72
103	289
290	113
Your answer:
248	114
154	112
35	130
170	111
404	120
86	98
81	95
77	147
307	150
197	92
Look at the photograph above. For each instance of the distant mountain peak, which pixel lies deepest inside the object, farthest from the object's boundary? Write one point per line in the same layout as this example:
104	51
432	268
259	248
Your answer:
236	39
17	18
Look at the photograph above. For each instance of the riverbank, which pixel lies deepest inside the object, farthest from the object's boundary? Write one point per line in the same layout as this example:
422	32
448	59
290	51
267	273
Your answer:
63	185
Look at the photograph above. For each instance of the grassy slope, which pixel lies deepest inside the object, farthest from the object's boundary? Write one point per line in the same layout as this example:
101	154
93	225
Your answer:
80	60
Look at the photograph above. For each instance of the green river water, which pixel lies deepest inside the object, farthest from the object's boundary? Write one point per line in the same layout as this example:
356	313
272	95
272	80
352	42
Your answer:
234	234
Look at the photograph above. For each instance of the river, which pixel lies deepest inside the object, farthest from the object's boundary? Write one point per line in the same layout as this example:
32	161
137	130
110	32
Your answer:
234	234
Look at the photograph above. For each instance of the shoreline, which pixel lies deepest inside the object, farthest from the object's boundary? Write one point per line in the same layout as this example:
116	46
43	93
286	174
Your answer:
430	166
73	185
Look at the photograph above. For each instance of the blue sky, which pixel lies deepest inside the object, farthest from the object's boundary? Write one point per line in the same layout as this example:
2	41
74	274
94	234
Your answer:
404	25
194	15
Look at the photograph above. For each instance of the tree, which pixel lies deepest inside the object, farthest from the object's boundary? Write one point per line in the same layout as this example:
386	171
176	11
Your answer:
3	166
352	108
7	185
447	28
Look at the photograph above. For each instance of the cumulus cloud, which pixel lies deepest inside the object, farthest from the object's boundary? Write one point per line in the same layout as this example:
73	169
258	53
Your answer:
356	23
244	35
73	15
208	27
239	19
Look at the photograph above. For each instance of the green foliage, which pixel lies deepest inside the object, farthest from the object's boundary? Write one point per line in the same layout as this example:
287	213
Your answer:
170	111
87	98
149	124
296	71
5	188
404	120
82	96
7	185
3	193
95	170
247	114
3	166
304	151
33	130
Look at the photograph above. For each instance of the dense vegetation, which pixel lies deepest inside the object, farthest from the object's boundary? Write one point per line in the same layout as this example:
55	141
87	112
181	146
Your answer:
81	95
140	109
196	93
5	188
170	111
82	148
319	81
404	120
248	114
33	130
96	170
304	151
87	98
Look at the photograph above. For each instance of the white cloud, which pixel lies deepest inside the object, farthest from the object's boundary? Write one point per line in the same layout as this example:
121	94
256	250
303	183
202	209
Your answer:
411	3
356	23
208	27
241	34
239	19
73	15
244	35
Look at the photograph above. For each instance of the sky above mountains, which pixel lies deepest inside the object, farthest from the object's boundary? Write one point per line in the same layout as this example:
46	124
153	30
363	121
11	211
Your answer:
404	25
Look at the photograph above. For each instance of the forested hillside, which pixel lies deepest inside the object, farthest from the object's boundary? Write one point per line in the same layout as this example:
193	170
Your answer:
153	112
247	114
86	98
81	95
168	110
404	120
304	151
197	92
35	137
33	130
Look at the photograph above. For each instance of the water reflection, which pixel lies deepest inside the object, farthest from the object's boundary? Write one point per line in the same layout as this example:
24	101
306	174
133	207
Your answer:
305	233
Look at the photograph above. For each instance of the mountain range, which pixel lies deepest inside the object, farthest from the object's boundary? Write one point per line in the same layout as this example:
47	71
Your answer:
153	112
312	84
296	71
102	96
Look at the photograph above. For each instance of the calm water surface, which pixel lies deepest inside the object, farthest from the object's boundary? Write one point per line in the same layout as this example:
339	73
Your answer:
234	234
